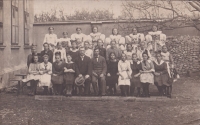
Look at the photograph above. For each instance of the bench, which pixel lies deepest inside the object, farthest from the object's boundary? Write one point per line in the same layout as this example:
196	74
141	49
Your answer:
19	81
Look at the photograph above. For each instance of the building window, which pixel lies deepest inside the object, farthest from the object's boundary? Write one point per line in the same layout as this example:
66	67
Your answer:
1	22
26	22
15	22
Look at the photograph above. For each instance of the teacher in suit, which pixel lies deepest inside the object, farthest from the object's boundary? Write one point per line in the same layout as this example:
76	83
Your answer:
99	69
84	69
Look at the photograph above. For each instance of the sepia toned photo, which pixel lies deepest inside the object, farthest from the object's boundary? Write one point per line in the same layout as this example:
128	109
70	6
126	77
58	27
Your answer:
99	62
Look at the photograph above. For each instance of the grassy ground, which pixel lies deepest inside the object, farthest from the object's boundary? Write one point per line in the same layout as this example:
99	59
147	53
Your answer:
183	109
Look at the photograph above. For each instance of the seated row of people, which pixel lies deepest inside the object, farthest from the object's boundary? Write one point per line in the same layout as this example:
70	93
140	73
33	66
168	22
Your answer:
154	39
66	75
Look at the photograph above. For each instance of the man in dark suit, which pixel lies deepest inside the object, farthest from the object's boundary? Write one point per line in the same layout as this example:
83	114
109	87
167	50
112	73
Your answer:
48	52
99	69
84	69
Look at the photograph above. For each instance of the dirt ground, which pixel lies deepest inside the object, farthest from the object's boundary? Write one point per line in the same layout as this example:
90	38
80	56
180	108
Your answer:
182	109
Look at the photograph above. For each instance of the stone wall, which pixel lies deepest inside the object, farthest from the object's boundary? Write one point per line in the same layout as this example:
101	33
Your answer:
185	51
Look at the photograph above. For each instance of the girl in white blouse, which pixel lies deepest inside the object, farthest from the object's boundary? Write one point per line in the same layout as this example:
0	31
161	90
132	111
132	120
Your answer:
65	41
135	38
156	38
125	72
79	37
95	36
120	41
45	72
51	38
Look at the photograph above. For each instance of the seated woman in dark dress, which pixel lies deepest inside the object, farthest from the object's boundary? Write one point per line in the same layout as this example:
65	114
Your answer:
112	73
57	74
69	75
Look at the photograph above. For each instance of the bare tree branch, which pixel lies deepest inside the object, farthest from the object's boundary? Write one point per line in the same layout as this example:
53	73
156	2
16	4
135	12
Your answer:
194	5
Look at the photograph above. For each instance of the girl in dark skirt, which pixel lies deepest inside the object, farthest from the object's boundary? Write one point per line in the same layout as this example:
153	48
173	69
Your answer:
112	73
57	76
69	75
161	75
135	81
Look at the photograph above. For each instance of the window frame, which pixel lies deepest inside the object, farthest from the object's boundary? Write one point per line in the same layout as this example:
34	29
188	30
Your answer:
15	39
26	21
1	24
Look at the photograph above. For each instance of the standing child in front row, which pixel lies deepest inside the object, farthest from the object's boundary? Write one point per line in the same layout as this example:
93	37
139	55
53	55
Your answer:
135	81
57	76
69	75
112	73
125	72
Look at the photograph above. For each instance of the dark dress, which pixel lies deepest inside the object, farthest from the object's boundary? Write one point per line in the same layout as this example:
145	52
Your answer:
69	77
113	70
57	69
162	79
74	54
136	67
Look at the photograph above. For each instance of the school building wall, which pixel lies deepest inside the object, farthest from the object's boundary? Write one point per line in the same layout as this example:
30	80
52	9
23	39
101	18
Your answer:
13	56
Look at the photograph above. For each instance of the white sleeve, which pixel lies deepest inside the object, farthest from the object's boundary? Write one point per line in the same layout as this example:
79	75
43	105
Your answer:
50	68
108	40
64	55
84	37
56	38
122	40
163	37
127	39
129	68
102	37
119	67
148	38
73	37
69	42
142	37
54	55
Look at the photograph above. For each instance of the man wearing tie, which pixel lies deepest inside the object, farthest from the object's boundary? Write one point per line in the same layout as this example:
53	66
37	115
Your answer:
84	69
99	69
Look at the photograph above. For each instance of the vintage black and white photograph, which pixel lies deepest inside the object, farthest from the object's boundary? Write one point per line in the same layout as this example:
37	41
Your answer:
99	62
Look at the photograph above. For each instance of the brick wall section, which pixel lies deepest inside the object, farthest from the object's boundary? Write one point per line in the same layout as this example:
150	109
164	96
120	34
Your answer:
185	50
